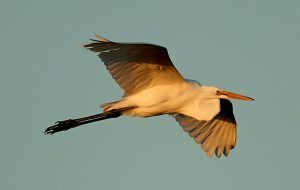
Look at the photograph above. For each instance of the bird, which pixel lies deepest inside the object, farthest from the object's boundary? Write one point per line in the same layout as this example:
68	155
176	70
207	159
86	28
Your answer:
152	86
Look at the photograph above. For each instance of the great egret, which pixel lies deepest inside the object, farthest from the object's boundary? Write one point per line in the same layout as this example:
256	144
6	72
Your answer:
152	86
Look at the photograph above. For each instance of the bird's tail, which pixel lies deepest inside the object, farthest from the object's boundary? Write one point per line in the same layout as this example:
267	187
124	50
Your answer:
71	123
108	106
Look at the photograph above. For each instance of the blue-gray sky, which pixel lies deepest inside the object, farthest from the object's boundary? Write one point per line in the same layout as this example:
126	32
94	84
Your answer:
249	47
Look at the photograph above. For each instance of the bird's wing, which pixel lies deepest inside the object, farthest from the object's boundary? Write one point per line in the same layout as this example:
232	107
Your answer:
217	135
136	66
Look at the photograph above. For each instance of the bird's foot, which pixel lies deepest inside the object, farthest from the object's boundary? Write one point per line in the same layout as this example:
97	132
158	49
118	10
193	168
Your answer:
61	126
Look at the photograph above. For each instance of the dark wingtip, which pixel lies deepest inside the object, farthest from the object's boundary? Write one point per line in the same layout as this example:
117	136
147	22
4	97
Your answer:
88	45
100	40
95	40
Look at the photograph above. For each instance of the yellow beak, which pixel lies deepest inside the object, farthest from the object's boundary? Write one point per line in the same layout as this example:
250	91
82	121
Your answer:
234	95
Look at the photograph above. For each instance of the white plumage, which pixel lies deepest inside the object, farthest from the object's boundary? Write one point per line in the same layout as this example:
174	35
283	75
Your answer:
153	86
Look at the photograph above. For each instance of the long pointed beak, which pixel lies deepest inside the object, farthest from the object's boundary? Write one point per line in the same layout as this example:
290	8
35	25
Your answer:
235	96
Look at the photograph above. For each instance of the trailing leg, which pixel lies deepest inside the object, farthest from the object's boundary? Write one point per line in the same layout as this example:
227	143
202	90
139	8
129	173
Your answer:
72	123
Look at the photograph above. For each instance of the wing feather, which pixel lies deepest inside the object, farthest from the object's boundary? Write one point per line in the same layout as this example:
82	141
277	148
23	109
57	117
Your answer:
136	67
215	136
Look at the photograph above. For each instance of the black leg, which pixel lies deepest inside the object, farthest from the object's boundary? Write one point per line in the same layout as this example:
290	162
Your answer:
71	123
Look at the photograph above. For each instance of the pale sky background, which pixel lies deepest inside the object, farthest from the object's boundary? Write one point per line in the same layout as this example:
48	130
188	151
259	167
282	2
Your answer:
249	47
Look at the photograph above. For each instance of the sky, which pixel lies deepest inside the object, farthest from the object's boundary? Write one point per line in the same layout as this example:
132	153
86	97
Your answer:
248	47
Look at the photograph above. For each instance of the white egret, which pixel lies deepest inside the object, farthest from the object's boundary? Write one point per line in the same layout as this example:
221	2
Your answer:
152	86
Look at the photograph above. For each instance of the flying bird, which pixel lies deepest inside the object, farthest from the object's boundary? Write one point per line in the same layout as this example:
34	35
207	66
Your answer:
153	86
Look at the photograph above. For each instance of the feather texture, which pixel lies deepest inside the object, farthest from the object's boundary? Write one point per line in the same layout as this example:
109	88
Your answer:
136	67
217	135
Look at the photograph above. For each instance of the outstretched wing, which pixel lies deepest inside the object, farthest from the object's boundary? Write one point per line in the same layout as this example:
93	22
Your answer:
217	135
136	67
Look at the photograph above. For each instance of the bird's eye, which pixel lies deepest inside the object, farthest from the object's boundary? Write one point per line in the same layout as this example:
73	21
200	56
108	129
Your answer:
218	93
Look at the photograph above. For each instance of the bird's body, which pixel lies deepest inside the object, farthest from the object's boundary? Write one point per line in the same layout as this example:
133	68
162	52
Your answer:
153	86
187	98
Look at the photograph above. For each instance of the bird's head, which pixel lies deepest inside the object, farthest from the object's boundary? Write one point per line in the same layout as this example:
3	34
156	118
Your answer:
223	94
